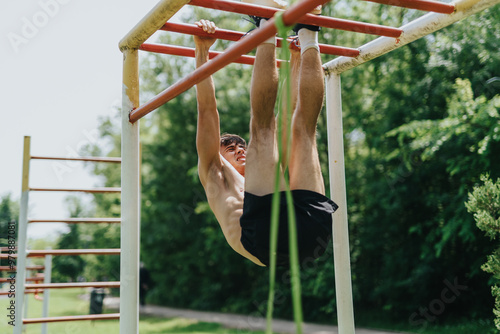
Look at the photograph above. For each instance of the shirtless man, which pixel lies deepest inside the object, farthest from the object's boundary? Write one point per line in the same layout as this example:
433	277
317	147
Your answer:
239	181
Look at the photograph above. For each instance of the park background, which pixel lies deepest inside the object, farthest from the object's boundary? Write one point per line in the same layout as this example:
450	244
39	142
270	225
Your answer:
421	127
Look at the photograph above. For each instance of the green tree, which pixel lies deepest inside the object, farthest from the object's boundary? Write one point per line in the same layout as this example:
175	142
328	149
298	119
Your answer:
69	268
9	213
409	229
484	204
104	267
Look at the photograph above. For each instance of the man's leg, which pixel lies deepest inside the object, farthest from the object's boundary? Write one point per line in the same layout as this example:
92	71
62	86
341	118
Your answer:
294	84
262	153
305	169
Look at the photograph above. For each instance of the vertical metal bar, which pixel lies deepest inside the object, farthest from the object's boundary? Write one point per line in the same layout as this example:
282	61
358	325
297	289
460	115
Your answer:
46	280
27	298
130	228
345	313
22	233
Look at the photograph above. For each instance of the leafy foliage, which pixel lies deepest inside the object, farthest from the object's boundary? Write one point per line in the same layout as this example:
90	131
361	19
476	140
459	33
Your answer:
9	213
69	268
420	125
484	203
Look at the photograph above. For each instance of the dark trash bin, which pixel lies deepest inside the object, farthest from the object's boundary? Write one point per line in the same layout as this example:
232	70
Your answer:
96	301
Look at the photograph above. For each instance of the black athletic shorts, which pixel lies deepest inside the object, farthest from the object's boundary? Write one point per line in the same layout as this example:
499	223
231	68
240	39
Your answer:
314	225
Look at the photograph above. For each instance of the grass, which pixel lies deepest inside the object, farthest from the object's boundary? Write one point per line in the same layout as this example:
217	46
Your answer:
477	327
375	321
65	302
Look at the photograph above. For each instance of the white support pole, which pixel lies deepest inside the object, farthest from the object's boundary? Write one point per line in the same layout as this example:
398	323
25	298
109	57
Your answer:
46	280
345	313
28	274
22	234
130	214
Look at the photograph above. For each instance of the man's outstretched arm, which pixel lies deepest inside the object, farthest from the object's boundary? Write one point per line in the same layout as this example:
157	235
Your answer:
208	130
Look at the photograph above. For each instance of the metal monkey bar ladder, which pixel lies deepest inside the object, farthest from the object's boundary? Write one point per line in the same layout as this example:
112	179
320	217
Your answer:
21	253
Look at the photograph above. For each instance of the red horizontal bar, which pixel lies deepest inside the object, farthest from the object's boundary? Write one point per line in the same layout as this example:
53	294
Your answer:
234	36
77	220
431	6
34	279
109	316
8	268
234	52
28	279
94	159
191	29
5	293
189	52
5	280
323	21
73	285
42	253
7	256
94	190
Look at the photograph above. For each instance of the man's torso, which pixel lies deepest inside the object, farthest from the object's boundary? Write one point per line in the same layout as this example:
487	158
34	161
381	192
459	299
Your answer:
225	190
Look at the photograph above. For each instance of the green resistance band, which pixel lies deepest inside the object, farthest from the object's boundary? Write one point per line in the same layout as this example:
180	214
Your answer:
285	83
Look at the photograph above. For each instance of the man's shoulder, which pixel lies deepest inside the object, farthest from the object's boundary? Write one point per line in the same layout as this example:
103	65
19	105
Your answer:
223	175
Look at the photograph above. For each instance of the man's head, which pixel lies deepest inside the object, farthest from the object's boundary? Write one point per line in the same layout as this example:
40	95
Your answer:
234	148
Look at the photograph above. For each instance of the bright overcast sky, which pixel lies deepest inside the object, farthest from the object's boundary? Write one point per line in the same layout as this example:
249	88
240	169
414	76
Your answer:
60	71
